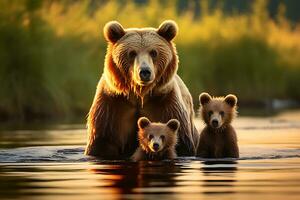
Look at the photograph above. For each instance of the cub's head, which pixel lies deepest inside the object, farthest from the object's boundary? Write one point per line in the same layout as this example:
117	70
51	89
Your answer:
155	137
217	112
140	59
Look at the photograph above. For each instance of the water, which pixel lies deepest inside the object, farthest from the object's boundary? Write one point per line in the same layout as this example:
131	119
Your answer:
48	163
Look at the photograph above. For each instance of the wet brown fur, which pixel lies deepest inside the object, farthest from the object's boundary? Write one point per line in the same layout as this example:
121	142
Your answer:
168	151
119	101
221	142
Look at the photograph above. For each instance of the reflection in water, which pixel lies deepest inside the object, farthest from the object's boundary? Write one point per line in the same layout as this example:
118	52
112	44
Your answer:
219	174
122	178
11	186
137	178
181	179
50	165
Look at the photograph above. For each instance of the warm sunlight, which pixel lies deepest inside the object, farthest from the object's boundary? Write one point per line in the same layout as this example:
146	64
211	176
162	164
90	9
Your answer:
149	99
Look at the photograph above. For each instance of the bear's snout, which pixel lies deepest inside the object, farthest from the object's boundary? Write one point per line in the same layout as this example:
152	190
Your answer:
215	123
155	146
145	73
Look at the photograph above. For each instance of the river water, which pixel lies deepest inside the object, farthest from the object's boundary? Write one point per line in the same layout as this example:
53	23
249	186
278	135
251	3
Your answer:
47	162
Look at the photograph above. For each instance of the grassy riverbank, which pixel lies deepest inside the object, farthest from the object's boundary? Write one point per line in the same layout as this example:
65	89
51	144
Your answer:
52	52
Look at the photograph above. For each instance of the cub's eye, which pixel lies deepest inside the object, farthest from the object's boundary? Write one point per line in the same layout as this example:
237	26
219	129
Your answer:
153	53
132	54
222	113
151	137
210	113
162	137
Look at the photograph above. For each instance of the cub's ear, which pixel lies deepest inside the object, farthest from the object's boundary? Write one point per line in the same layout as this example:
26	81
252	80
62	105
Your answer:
143	122
204	98
113	31
173	124
231	100
168	30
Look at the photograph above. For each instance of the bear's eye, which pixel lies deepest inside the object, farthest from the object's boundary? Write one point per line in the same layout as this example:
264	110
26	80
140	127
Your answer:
162	137
222	113
210	113
132	54
153	53
151	137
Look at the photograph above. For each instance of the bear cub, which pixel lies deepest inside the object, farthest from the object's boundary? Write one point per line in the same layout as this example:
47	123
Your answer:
157	141
218	139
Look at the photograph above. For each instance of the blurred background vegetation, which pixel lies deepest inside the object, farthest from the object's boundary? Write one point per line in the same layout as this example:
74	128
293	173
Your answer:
52	51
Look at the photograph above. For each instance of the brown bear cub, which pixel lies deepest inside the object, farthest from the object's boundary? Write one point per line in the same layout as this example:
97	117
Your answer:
157	141
218	139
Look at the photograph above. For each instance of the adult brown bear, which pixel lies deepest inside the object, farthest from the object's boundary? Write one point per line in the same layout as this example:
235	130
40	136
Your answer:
139	79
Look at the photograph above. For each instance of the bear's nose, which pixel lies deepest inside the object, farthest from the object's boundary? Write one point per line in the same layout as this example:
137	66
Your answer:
155	146
145	74
215	123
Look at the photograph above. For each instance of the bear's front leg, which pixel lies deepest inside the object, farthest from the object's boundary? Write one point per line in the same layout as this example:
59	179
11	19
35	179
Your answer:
100	133
232	148
138	155
111	127
171	154
204	144
102	148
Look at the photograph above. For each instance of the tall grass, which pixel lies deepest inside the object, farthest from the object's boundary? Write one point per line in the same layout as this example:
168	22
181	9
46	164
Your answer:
52	52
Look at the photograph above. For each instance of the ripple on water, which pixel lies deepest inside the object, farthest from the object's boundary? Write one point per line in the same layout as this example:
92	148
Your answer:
76	154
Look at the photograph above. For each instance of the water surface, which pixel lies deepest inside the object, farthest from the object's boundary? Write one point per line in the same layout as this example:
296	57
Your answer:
48	163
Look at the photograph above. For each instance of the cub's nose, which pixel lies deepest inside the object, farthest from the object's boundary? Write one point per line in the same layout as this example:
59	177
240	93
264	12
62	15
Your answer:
215	123
155	146
145	74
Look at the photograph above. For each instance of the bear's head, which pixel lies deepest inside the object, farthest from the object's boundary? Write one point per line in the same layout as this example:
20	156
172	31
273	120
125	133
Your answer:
217	112
155	137
139	59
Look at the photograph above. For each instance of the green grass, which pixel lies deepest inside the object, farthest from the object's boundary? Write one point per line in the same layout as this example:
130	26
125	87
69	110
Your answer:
52	53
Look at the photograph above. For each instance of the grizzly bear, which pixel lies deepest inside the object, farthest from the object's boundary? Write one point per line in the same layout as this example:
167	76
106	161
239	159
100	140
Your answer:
157	141
139	79
218	139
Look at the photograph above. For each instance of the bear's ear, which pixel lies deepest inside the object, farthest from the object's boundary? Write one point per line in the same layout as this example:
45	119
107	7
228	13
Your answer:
143	122
168	30
204	98
231	100
113	31
173	124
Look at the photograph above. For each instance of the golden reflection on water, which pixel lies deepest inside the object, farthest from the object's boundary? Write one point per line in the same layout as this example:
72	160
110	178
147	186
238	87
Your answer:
270	179
269	168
